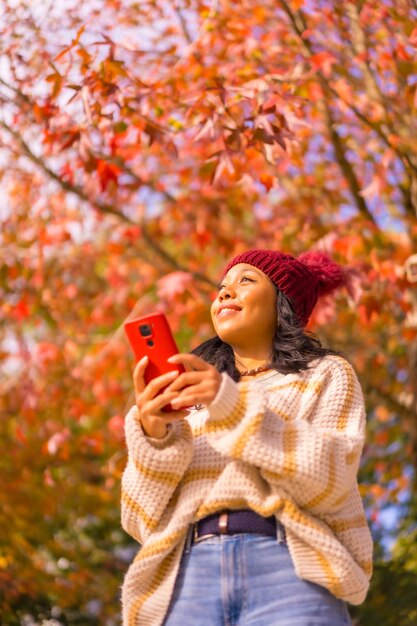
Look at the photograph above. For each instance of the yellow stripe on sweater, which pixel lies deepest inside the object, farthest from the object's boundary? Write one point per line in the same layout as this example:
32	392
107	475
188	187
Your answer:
289	469
150	522
328	488
351	457
234	504
344	413
250	430
234	416
197	430
298	516
366	566
193	475
289	444
342	498
300	385
333	583
158	577
167	478
158	546
343	525
272	476
201	473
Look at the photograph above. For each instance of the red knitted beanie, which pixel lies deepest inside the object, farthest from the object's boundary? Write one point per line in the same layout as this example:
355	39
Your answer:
301	279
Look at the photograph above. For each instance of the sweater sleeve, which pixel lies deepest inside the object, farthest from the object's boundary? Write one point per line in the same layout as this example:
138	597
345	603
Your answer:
305	434
154	469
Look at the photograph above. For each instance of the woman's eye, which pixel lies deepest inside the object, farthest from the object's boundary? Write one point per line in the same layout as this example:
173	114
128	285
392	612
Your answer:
243	278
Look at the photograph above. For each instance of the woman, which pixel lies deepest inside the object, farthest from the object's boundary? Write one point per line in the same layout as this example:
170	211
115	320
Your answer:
247	507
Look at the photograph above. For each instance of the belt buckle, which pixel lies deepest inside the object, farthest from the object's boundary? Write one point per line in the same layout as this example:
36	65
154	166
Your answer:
223	521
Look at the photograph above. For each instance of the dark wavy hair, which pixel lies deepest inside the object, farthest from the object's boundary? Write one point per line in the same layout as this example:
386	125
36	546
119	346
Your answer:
293	348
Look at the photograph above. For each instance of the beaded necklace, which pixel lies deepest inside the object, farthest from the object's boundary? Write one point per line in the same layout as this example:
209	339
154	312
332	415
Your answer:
258	370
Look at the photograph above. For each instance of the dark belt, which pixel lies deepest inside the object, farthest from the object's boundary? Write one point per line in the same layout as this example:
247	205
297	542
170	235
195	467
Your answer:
235	522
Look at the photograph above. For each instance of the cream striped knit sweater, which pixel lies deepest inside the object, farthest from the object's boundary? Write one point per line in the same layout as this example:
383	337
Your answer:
288	447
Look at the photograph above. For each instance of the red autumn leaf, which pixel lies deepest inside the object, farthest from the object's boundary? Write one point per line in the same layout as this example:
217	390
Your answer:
74	42
323	61
267	180
413	38
203	238
107	173
21	310
116	426
174	284
132	233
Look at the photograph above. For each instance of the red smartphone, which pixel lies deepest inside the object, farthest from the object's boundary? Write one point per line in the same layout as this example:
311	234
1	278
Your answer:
151	335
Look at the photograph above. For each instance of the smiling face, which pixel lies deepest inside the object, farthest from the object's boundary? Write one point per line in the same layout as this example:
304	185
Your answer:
244	312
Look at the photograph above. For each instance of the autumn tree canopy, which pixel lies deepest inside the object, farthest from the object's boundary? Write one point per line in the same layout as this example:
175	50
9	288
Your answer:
142	144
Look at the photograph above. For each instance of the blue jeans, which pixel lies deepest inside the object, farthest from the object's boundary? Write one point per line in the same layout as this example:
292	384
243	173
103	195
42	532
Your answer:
248	580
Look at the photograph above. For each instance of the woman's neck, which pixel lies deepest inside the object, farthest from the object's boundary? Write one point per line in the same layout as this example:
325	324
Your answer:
246	362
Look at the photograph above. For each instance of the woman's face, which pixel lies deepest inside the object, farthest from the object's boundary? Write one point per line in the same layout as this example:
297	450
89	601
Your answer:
244	312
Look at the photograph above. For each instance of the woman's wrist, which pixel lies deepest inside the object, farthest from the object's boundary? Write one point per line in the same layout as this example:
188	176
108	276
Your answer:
155	428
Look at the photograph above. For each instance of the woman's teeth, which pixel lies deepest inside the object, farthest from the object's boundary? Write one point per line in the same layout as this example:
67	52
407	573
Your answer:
227	311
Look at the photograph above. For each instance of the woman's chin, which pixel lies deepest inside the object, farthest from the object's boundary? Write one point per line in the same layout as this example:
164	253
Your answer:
231	335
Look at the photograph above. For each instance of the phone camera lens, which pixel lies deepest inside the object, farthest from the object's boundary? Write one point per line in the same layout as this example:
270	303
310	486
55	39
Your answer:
145	330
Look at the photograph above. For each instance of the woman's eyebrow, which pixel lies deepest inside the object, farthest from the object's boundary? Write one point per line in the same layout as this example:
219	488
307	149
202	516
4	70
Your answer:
254	270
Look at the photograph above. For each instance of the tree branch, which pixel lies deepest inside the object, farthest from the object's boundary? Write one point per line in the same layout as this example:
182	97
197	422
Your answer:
346	167
16	91
103	207
183	23
409	194
359	47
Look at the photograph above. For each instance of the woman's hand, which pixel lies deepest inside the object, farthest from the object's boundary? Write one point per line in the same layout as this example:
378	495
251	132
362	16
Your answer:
153	420
199	386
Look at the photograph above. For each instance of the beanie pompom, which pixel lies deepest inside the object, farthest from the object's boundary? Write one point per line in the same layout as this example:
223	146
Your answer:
330	275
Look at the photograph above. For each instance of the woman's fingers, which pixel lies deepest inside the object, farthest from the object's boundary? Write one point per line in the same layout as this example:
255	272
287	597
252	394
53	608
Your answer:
197	394
159	383
155	406
179	402
186	379
138	375
192	360
198	387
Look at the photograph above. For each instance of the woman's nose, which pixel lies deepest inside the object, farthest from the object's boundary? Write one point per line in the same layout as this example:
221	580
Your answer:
225	293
